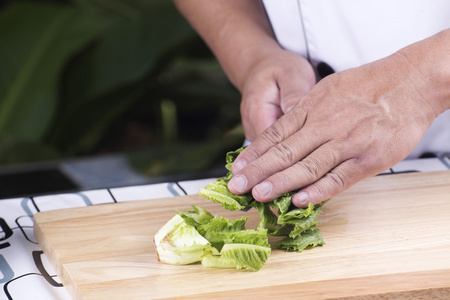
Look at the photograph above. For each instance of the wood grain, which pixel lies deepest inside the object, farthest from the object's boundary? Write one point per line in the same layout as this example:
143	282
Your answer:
387	235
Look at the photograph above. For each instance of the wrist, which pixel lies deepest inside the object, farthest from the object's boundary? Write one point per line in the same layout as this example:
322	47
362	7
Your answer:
430	60
248	60
236	31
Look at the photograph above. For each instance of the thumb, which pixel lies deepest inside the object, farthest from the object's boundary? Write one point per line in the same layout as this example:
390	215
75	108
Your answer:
294	85
260	109
290	94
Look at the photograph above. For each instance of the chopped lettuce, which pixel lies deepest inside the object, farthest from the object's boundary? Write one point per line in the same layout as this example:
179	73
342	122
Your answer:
293	215
196	217
218	191
218	261
244	249
283	203
239	256
246	256
248	236
194	236
301	225
292	222
268	218
219	229
198	236
308	239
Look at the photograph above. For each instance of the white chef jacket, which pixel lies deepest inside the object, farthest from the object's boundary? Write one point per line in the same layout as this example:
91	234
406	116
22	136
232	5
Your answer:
350	33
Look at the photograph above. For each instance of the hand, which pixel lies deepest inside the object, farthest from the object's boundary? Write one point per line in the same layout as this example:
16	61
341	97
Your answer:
351	125
271	87
271	80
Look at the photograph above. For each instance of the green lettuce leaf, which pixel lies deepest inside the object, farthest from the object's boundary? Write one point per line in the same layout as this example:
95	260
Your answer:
239	256
304	224
219	229
218	191
249	236
284	230
292	216
245	256
231	156
268	218
308	239
283	203
195	235
197	217
218	261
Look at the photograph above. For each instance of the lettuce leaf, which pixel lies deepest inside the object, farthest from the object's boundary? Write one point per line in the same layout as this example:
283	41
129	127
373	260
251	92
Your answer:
218	191
218	261
284	203
219	229
196	217
308	239
292	216
284	230
249	236
196	235
239	256
268	218
246	256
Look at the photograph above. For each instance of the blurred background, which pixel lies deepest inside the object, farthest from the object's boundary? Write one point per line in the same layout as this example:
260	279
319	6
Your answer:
104	93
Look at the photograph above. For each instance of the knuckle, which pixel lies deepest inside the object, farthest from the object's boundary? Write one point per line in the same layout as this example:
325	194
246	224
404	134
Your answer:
311	169
253	152
307	102
274	134
330	185
284	153
367	162
255	173
318	192
337	181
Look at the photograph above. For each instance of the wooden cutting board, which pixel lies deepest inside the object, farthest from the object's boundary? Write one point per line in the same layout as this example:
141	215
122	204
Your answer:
386	236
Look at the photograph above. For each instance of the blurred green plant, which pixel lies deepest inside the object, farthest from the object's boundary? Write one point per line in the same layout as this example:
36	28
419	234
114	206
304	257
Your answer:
88	77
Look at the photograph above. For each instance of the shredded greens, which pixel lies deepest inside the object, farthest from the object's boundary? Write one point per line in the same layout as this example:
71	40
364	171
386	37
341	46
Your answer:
196	235
236	246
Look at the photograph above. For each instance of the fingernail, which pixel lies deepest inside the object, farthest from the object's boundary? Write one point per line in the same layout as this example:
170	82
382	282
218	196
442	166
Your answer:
300	199
239	165
238	183
264	188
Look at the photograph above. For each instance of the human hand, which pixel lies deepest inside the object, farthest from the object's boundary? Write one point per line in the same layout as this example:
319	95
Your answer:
271	80
272	85
351	125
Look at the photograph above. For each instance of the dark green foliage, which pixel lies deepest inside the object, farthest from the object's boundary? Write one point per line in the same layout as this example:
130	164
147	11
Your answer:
96	76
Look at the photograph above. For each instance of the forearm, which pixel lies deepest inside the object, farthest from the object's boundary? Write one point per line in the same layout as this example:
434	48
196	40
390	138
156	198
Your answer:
429	60
237	31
